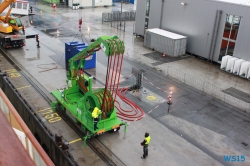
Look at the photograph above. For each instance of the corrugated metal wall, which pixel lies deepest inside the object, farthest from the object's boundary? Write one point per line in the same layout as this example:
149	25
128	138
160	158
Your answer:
196	21
140	17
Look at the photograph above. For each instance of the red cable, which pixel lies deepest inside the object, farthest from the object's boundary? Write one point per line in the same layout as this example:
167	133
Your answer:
119	74
138	113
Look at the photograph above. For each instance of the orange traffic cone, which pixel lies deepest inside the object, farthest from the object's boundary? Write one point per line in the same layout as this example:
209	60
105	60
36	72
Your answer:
164	55
54	7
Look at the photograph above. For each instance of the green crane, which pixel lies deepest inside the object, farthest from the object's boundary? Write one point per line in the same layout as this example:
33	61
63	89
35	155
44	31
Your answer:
80	99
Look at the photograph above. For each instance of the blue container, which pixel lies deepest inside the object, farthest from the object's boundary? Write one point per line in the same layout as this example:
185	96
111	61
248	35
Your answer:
70	51
73	48
90	62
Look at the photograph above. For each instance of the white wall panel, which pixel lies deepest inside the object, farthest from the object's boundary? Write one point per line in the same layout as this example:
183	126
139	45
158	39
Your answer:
140	17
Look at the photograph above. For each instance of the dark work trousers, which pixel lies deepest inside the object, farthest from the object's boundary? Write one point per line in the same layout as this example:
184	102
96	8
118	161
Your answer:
95	123
145	151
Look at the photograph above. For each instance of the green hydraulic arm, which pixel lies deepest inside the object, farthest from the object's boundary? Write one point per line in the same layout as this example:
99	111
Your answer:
110	45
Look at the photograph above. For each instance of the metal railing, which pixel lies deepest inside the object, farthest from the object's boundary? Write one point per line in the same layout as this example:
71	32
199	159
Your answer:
118	16
190	80
118	19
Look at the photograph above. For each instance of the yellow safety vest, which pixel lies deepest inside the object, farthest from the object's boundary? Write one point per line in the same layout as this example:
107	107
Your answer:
147	140
96	112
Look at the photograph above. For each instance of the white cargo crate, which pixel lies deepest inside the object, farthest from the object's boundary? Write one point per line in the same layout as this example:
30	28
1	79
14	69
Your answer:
224	61
165	42
248	74
244	69
237	66
230	64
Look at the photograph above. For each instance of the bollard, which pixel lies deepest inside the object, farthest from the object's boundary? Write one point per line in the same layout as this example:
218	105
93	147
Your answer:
23	30
65	146
54	6
58	140
38	41
169	100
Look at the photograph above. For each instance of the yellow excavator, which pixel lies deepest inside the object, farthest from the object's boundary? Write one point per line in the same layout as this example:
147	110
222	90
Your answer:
9	24
11	27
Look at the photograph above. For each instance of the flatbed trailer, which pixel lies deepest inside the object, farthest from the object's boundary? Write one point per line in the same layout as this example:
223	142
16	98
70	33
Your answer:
15	39
12	40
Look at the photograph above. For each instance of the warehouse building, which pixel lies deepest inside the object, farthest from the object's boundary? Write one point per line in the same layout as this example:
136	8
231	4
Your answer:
75	4
214	28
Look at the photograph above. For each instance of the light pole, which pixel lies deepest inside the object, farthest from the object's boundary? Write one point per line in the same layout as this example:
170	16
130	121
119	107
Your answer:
121	14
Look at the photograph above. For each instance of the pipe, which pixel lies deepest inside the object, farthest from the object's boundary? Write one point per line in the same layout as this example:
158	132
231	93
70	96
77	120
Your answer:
161	14
212	40
216	35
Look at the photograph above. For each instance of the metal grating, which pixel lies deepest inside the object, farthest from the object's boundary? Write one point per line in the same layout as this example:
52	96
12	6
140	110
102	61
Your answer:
237	94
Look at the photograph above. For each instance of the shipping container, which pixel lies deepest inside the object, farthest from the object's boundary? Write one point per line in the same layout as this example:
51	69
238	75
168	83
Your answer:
70	51
171	44
90	61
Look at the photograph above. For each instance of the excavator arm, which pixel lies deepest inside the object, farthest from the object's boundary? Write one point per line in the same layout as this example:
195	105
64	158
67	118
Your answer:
14	22
5	4
7	18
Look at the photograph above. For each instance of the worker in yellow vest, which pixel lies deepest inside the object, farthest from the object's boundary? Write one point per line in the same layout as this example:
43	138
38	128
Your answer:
145	145
95	114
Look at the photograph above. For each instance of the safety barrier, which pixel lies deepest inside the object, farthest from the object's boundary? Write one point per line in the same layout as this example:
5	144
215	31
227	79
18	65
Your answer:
118	16
204	86
35	124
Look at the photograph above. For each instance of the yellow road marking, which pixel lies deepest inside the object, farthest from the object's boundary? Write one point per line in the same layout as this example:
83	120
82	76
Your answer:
44	109
23	87
76	140
151	98
10	70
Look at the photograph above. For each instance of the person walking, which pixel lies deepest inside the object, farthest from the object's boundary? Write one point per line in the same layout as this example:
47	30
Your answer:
31	9
145	145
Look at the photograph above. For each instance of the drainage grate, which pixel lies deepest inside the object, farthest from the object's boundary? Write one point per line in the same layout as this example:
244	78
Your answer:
237	94
243	143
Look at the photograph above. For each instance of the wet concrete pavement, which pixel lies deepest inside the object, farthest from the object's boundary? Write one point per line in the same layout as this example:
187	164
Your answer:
199	130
